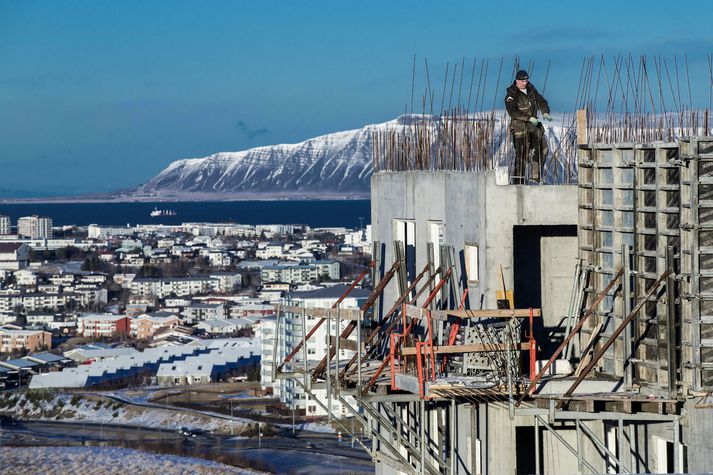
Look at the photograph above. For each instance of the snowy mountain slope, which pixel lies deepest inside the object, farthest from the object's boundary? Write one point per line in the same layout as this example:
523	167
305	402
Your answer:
339	162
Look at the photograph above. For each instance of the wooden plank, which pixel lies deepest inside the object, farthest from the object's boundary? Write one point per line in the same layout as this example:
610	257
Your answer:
472	348
493	313
582	126
344	344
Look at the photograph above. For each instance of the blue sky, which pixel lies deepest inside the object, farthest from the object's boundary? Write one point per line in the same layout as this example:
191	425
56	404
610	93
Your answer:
100	95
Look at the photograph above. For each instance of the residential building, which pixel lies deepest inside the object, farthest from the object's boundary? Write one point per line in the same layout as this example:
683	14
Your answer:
146	325
14	256
30	340
218	327
251	310
35	227
197	312
4	224
104	325
290	335
300	273
176	286
25	278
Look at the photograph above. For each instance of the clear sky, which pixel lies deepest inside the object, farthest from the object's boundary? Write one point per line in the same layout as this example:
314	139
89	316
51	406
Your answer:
99	95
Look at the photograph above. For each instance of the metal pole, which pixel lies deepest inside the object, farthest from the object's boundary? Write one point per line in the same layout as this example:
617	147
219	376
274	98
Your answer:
597	356
672	341
452	433
626	292
579	445
620	440
359	350
573	297
336	356
276	342
304	355
327	369
422	442
633	448
677	465
571	335
537	446
511	401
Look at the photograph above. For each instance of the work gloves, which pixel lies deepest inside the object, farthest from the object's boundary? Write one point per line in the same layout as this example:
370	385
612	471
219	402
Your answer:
547	117
534	121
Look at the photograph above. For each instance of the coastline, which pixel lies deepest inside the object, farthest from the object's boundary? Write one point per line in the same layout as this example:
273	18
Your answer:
191	197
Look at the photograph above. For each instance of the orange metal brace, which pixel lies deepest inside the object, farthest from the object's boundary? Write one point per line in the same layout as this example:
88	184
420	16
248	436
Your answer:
419	369
393	337
454	330
533	348
430	345
385	361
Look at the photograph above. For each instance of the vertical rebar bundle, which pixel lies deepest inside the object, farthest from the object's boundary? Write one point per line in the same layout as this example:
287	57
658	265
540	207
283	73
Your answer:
627	100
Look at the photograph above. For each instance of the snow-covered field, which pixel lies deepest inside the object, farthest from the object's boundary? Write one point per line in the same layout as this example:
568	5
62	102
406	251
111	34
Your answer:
103	460
103	410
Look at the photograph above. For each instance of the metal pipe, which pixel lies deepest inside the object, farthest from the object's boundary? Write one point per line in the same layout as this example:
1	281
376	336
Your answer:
579	445
565	443
620	440
329	373
452	436
422	442
336	356
574	331
677	465
602	446
626	291
597	356
358	355
537	446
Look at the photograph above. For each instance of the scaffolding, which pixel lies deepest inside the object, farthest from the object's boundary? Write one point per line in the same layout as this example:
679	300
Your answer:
414	370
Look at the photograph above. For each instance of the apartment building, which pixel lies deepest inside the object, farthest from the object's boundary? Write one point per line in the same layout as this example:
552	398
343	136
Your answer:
14	256
177	286
146	325
103	325
4	224
30	340
289	334
35	227
300	273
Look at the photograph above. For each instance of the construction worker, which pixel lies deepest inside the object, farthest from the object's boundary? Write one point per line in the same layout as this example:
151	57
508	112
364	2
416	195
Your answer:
522	103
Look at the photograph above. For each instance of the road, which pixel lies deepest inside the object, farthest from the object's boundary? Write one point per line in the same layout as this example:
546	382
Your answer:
305	453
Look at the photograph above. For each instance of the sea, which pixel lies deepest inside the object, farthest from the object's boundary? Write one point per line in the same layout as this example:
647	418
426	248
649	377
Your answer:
335	213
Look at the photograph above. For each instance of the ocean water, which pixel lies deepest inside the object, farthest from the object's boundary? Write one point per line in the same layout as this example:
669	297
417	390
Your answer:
313	213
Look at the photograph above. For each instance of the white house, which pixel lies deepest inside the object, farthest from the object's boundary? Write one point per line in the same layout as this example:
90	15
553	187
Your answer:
14	255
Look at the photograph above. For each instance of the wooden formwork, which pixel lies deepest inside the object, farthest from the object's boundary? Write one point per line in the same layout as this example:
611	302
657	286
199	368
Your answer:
649	208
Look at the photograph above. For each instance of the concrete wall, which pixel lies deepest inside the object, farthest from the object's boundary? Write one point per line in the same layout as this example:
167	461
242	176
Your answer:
697	431
473	209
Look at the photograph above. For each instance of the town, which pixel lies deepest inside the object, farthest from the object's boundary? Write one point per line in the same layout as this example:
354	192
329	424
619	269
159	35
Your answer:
191	306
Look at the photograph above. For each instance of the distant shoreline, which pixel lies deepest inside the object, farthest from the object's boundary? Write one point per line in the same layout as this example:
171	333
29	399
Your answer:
190	197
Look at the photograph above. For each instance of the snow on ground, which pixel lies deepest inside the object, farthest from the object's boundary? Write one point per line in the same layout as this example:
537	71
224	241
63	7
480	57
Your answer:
104	460
69	407
316	427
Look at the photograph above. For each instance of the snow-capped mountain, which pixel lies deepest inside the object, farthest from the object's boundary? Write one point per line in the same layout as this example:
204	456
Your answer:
336	163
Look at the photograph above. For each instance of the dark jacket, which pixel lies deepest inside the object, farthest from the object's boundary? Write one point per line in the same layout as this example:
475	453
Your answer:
521	106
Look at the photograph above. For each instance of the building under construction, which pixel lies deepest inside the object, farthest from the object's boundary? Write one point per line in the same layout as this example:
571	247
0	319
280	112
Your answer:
561	328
